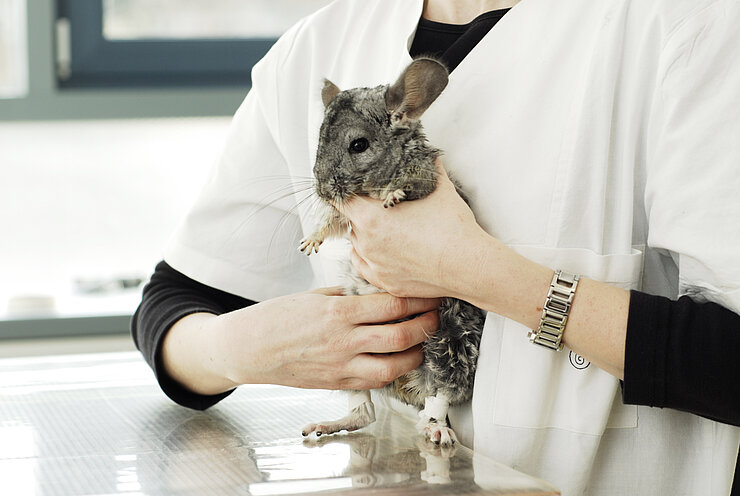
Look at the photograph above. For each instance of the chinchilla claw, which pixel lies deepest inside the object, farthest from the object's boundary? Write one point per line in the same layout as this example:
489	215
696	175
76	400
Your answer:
310	245
394	197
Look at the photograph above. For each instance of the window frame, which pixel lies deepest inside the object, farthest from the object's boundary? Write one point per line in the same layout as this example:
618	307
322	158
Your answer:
46	100
101	63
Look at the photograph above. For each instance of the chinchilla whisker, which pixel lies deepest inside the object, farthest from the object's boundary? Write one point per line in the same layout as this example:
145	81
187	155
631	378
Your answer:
295	186
284	191
341	202
309	203
281	178
274	197
291	212
278	195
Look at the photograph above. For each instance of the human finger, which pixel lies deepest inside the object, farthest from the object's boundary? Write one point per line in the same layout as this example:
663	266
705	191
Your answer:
371	371
441	171
362	208
383	307
443	179
330	291
398	336
362	267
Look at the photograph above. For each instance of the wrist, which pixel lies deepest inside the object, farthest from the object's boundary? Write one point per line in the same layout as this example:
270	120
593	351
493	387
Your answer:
468	262
191	354
247	344
234	361
497	279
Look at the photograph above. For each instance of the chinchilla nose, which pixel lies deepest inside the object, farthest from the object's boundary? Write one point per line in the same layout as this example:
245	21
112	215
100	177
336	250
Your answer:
322	189
324	186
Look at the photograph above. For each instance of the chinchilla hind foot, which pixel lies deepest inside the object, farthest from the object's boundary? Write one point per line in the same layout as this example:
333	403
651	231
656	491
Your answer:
359	417
437	431
433	421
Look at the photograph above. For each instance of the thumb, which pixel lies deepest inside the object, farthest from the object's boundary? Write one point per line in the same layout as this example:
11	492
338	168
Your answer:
330	291
359	207
441	171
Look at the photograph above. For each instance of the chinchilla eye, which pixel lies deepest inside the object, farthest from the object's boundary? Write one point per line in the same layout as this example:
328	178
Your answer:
359	145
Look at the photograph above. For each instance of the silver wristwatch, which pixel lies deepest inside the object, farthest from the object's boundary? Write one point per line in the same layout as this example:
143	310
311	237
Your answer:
555	312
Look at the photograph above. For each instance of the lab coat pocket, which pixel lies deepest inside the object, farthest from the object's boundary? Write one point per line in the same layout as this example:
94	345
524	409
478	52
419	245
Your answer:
539	388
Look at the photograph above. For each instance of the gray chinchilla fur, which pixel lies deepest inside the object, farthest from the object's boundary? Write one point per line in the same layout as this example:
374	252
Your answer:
372	143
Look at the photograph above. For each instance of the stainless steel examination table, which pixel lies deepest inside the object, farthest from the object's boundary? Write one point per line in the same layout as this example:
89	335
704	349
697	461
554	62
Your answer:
98	424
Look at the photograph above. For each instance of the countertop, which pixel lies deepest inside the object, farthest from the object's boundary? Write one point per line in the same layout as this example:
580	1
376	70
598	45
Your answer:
98	424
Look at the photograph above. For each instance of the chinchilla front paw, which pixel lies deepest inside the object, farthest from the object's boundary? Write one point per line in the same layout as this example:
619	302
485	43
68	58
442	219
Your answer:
394	197
311	244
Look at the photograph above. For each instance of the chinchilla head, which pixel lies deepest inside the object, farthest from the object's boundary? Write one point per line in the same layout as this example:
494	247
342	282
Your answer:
371	137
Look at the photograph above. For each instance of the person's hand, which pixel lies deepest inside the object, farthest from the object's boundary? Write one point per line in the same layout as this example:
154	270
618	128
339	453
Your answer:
320	339
416	247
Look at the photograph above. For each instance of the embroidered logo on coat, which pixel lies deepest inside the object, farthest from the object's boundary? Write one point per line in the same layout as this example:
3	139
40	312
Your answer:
578	361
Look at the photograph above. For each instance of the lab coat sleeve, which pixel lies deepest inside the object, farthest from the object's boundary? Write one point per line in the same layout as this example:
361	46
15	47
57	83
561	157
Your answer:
242	233
692	191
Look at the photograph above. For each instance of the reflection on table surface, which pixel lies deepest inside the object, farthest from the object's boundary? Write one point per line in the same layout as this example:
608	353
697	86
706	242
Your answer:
98	424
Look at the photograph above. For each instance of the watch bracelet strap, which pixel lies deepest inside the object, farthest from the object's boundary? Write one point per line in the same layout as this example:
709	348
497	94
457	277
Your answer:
555	311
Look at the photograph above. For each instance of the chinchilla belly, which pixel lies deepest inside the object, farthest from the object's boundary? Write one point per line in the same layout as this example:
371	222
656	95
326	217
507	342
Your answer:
450	357
450	354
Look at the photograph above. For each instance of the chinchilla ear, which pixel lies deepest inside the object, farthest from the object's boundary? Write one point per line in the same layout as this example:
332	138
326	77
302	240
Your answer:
328	92
415	90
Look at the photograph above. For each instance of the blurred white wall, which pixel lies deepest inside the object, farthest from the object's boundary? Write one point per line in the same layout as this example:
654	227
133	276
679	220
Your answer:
13	50
95	199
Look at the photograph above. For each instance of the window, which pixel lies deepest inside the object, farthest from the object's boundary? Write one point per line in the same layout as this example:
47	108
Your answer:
187	19
114	43
85	218
90	80
13	52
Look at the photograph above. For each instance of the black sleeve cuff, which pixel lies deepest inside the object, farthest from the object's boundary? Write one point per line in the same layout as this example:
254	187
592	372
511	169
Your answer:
168	297
173	389
683	355
644	363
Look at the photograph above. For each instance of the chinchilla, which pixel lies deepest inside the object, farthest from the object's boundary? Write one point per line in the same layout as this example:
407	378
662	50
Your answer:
371	143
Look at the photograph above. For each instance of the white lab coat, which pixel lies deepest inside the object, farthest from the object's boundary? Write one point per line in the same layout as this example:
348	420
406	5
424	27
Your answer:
596	136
